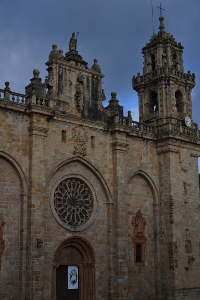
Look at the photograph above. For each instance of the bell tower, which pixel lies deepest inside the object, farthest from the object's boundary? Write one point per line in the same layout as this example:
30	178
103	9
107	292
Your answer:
164	89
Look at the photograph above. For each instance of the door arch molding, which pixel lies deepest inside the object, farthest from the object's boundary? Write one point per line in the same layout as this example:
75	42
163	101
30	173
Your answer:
84	258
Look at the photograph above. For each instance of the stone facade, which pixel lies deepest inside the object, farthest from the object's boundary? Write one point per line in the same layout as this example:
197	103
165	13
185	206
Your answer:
83	185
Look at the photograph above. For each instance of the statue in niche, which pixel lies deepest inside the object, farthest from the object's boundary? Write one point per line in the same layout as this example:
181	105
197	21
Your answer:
80	92
139	223
139	238
79	101
73	42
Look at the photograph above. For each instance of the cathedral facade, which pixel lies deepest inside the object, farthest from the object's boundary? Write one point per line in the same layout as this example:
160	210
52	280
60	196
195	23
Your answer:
94	205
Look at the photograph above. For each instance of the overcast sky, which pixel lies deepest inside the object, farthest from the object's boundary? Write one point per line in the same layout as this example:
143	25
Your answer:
113	31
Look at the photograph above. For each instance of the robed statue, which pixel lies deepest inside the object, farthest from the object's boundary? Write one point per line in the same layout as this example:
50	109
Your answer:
72	42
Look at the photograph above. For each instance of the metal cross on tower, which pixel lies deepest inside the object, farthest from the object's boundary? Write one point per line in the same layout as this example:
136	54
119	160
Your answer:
160	7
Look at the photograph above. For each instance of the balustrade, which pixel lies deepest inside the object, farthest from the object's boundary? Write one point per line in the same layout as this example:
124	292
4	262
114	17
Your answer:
12	96
161	71
62	106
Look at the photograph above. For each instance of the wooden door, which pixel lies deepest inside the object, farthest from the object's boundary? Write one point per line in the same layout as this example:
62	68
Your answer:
74	251
62	291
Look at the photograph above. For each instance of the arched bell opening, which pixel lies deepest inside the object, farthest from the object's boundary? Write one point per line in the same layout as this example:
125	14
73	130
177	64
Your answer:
152	105
179	105
175	61
153	62
73	270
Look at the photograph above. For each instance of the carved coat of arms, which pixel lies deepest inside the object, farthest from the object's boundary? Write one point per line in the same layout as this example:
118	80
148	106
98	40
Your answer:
80	137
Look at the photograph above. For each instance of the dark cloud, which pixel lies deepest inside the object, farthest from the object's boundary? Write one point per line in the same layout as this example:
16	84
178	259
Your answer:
113	31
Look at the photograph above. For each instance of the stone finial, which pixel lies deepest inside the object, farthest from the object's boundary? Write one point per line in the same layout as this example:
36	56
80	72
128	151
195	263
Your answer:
60	52
96	67
7	91
161	27
113	95
72	42
7	85
103	96
54	47
36	73
36	77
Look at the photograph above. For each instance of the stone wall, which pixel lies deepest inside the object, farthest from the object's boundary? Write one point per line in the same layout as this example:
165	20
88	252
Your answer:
11	209
129	167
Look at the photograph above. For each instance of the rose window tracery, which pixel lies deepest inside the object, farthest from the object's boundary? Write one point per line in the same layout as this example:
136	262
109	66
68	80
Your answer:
73	201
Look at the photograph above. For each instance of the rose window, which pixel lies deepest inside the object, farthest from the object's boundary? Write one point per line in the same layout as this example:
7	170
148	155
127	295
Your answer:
73	201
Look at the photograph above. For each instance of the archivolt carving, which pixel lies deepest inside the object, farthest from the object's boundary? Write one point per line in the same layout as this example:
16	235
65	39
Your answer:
64	255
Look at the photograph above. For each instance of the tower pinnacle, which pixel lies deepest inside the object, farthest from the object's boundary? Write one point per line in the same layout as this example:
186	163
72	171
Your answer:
161	27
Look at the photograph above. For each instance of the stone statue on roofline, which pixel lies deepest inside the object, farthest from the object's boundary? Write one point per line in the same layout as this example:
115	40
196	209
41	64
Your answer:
72	42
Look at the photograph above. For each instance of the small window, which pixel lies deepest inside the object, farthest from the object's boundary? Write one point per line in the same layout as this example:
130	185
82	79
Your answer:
63	138
138	253
92	141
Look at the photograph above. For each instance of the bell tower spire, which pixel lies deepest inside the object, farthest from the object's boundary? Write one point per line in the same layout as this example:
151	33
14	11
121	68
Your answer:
164	90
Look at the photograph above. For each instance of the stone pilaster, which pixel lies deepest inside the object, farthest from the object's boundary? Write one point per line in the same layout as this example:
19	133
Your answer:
120	268
37	135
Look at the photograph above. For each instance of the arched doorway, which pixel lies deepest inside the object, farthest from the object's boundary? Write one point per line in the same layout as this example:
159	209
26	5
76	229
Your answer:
74	253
